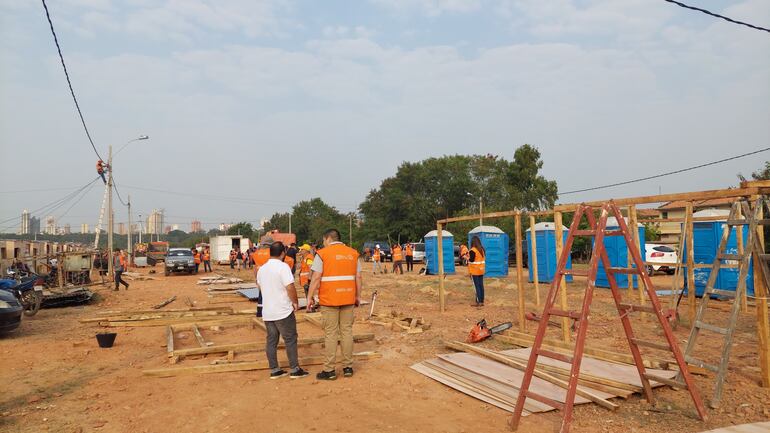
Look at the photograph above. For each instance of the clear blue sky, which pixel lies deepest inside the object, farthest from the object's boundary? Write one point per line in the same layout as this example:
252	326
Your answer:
273	101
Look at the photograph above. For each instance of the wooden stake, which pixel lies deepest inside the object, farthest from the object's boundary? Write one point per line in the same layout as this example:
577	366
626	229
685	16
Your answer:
690	264
632	223
440	245
763	321
533	256
520	274
739	245
198	336
559	233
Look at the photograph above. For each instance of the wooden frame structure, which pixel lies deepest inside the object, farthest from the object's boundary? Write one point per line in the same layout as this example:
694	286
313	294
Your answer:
747	190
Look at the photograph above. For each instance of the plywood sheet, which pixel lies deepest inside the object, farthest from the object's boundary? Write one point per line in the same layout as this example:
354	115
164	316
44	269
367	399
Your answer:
758	427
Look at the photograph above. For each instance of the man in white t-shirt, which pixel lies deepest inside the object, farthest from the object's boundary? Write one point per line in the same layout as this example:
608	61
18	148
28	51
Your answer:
279	302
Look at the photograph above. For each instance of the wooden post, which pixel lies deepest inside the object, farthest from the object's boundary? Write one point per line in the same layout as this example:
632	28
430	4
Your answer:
739	245
520	274
533	256
637	243
763	322
690	264
440	245
559	232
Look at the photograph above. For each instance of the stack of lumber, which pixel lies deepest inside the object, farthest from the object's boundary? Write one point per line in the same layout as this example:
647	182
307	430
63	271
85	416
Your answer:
495	377
218	279
168	317
399	322
136	276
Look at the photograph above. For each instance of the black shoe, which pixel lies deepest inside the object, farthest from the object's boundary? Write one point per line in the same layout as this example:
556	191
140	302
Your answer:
277	374
347	371
300	373
326	375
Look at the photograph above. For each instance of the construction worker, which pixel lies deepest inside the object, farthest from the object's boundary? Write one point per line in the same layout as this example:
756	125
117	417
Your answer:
476	268
376	259
398	258
409	252
207	260
463	255
100	169
289	260
120	265
233	255
337	279
196	258
306	261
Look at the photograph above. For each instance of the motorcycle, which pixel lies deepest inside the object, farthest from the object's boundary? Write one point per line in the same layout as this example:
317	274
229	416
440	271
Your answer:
27	289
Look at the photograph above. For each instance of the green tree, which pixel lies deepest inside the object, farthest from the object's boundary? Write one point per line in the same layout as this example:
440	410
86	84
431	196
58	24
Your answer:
762	174
244	229
309	219
408	204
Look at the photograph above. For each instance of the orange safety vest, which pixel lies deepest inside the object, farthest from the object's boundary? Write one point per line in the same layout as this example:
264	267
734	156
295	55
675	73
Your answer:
463	250
376	255
261	256
289	261
99	167
478	266
397	256
233	254
338	279
206	256
197	257
123	261
409	250
304	269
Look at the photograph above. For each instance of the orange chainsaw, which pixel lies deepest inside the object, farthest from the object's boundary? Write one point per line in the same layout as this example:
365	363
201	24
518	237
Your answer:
481	332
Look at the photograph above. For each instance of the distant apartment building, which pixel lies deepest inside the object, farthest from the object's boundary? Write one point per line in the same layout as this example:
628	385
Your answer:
25	228
196	226
167	230
155	222
50	225
121	228
67	229
84	228
224	227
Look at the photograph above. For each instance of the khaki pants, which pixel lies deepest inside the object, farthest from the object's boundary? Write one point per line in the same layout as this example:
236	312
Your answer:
338	326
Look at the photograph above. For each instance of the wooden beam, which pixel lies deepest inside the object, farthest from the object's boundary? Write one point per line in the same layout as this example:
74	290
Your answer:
585	393
164	303
198	336
632	223
520	274
533	255
440	245
169	340
208	321
559	233
257	346
763	321
690	263
684	196
739	245
245	366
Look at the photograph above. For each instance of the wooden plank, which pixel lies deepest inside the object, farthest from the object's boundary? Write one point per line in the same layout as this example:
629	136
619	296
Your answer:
258	346
169	340
533	255
198	336
559	233
164	303
245	366
763	317
233	321
632	223
452	383
211	320
684	196
520	273
581	391
757	427
690	263
740	247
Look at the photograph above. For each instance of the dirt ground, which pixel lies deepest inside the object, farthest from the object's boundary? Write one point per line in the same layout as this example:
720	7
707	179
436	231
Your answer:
56	379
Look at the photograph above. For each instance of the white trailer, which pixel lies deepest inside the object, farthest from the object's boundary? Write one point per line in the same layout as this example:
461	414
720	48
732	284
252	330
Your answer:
221	246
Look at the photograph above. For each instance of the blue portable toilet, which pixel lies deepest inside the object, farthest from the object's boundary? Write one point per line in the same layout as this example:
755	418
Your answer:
706	236
547	259
495	242
617	253
431	252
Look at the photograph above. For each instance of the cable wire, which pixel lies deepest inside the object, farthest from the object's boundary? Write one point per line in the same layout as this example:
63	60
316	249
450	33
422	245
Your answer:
54	205
115	187
665	174
69	83
707	12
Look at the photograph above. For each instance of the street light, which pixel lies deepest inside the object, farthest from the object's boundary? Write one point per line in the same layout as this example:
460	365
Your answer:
481	208
110	265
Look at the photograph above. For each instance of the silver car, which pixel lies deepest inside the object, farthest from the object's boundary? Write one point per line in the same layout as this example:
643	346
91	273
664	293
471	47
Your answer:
180	260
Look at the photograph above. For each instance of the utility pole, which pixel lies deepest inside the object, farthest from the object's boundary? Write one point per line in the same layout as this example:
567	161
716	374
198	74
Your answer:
481	211
350	236
129	247
111	217
289	222
141	228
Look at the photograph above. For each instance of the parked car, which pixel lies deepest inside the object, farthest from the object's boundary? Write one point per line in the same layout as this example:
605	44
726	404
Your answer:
10	312
419	252
524	254
657	253
179	260
385	254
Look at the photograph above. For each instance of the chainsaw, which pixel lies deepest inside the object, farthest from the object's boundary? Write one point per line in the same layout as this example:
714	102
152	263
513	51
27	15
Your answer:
481	332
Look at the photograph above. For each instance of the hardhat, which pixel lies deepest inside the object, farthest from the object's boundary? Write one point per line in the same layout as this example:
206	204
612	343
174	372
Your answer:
305	247
377	246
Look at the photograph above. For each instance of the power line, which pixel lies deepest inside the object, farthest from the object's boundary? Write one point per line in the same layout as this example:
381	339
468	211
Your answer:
666	174
69	83
115	186
54	205
707	12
